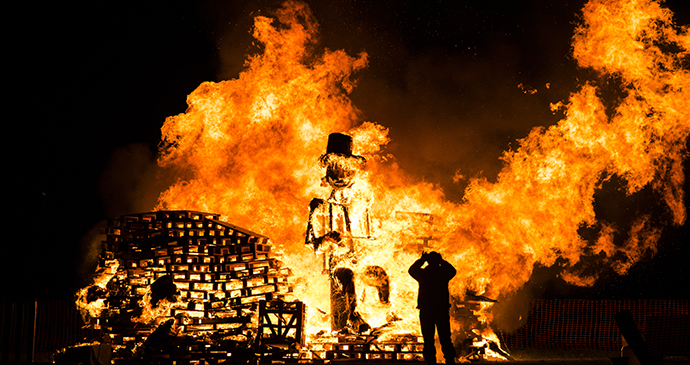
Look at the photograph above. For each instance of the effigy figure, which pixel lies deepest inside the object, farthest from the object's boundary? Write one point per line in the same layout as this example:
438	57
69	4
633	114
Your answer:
337	225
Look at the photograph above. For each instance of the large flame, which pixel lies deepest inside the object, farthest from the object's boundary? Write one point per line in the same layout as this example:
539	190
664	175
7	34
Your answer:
248	148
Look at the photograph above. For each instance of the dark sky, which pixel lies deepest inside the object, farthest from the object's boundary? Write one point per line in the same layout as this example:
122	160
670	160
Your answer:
91	83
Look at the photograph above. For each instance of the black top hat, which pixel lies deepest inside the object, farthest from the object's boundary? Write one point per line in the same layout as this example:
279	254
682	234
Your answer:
339	144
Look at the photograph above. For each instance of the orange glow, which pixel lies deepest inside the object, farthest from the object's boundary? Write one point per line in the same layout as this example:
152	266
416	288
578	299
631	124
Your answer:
248	148
88	307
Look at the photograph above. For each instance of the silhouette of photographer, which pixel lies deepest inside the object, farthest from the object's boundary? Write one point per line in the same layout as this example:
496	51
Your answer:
433	274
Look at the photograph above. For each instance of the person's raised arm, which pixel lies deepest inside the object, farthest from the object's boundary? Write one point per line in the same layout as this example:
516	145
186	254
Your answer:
416	269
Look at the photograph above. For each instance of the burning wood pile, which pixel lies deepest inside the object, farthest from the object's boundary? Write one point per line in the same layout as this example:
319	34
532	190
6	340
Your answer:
184	286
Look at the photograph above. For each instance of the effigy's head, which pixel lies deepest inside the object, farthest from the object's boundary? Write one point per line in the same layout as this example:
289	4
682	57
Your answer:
341	165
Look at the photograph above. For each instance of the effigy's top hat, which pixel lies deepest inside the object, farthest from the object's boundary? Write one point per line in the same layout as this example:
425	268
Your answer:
341	165
339	144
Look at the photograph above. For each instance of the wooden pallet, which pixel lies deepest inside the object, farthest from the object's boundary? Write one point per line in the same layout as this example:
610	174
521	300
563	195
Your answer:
368	350
281	323
133	232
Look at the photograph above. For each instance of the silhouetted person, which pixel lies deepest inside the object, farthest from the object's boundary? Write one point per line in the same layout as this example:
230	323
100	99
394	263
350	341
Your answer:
433	303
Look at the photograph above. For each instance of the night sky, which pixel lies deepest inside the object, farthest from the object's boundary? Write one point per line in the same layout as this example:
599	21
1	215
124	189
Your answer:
90	85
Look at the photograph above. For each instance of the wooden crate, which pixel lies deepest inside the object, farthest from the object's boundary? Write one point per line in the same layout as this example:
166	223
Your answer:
281	323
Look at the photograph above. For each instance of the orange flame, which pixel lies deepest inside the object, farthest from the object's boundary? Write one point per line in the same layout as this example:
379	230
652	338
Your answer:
92	308
248	148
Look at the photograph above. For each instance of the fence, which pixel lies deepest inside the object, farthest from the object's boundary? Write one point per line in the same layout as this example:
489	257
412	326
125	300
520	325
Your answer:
590	324
30	331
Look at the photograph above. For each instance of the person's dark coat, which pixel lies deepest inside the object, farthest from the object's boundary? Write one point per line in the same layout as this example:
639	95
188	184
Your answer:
433	281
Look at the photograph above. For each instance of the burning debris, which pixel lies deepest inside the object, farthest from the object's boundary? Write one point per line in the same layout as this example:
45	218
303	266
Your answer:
480	341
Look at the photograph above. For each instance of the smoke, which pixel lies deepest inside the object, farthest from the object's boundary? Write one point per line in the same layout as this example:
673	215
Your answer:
90	251
510	312
132	181
453	117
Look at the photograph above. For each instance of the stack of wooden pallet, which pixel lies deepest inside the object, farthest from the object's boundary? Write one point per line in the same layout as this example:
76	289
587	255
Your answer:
213	275
362	348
